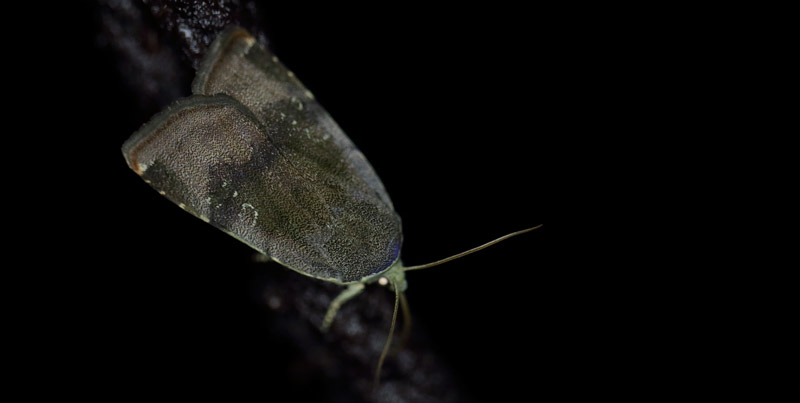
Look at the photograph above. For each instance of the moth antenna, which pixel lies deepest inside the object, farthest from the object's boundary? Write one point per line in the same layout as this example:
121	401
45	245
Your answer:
404	336
389	338
473	250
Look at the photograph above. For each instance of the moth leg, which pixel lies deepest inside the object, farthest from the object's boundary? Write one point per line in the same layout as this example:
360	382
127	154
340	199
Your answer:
351	291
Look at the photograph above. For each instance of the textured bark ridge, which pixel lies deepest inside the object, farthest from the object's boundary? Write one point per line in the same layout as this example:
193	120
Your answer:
156	46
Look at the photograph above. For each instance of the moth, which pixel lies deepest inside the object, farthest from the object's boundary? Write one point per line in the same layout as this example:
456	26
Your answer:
252	153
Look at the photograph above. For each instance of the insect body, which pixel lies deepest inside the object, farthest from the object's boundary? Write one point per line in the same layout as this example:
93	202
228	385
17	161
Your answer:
252	153
255	155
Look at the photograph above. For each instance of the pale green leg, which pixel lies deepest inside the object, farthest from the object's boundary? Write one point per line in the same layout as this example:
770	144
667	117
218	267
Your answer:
351	291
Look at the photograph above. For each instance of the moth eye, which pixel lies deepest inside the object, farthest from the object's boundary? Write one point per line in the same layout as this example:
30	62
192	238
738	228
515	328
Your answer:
383	281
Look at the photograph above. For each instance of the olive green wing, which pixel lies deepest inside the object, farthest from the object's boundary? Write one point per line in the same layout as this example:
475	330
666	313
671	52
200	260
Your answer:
305	134
237	65
212	157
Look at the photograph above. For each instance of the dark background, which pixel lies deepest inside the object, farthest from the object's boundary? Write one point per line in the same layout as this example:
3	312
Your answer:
468	114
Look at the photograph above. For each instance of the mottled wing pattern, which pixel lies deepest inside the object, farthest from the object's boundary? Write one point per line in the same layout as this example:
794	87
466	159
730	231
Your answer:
240	67
186	153
268	165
